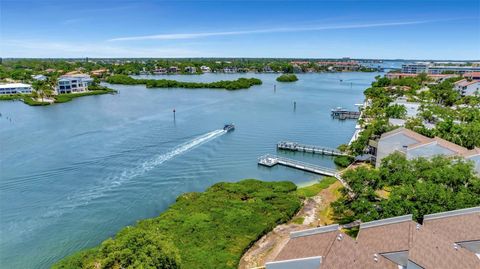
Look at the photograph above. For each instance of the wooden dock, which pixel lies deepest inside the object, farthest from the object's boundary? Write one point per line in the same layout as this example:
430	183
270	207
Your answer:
272	160
342	114
294	146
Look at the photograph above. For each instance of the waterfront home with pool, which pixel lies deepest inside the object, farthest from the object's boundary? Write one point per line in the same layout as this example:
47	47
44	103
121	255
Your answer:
15	88
74	83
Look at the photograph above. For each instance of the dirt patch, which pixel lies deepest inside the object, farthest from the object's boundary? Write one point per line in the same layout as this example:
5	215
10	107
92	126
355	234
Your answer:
315	212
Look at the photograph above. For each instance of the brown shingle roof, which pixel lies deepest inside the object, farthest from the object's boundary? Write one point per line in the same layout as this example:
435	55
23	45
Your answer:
345	253
432	245
431	250
389	237
456	226
310	245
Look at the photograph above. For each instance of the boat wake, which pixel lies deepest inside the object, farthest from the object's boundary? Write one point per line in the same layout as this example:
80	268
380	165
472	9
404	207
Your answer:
146	166
84	197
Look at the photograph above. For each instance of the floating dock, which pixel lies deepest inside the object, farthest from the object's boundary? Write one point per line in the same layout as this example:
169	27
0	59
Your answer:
294	146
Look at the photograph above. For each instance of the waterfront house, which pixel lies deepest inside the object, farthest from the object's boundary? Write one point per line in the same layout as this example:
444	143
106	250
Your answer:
467	88
230	70
267	69
173	69
205	69
160	71
39	77
414	145
74	83
443	241
190	69
472	75
15	88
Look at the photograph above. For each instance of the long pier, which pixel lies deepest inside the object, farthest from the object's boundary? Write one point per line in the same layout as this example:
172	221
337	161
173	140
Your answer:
272	160
294	146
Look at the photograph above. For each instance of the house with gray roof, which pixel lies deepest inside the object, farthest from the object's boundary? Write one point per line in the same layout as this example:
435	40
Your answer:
415	145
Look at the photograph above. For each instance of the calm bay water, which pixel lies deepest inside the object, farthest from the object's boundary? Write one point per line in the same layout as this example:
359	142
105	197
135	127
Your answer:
73	174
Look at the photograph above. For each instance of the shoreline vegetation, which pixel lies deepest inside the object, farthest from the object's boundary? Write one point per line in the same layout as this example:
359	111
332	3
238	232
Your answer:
287	78
241	83
60	98
210	229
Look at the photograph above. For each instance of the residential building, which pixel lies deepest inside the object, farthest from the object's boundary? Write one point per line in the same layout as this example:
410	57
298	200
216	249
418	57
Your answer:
205	69
472	75
340	65
173	69
445	240
433	68
267	69
414	145
435	77
74	83
415	68
230	70
190	69
160	71
467	88
300	63
39	77
15	88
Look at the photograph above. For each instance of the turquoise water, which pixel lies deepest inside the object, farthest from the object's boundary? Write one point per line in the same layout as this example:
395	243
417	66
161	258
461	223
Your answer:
73	174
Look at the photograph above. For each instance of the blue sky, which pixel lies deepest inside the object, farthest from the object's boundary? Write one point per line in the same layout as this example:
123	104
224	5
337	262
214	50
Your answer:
410	29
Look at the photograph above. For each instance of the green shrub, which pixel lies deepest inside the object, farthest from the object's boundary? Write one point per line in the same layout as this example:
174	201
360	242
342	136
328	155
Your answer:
211	229
343	161
287	78
241	83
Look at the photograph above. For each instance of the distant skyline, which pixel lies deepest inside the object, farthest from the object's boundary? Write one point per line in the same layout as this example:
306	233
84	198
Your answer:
381	29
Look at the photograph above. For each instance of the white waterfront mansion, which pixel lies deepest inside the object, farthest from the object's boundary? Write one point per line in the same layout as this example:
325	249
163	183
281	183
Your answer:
74	83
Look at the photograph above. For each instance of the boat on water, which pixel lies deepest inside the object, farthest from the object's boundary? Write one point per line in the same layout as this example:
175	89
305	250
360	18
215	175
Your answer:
229	127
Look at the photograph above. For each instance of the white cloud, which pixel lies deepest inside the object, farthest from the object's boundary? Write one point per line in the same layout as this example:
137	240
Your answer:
41	49
260	31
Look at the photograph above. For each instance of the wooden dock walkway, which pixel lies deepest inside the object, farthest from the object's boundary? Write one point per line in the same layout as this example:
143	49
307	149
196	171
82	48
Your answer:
344	114
272	160
294	146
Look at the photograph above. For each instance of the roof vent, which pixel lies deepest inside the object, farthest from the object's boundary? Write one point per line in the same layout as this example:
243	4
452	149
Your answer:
455	246
418	226
340	237
375	257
